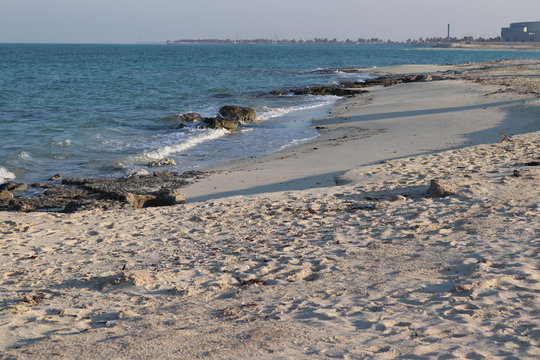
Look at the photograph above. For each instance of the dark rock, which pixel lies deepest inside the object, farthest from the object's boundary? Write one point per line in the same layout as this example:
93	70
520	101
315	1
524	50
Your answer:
13	186
336	90
74	194
7	186
20	187
384	81
56	177
162	162
352	88
20	205
190	117
416	77
115	188
71	207
185	119
66	192
439	188
222	123
164	197
242	114
138	200
171	196
195	174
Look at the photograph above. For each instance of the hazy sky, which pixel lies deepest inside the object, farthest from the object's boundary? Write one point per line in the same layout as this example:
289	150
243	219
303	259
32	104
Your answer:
128	21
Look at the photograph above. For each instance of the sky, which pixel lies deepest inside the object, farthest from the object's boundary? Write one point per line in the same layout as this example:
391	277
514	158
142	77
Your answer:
130	21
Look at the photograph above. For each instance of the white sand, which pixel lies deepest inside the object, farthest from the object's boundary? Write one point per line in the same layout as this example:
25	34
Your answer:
373	268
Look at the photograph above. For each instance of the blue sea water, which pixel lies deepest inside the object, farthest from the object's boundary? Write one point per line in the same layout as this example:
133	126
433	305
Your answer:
105	110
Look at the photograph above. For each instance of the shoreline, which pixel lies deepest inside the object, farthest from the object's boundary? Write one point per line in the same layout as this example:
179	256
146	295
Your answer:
427	248
387	76
493	111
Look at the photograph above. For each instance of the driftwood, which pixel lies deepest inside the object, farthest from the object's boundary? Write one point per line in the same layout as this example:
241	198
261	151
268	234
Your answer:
505	138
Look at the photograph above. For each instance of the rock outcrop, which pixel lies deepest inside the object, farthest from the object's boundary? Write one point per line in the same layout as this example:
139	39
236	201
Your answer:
242	114
164	197
6	195
188	118
160	188
352	88
13	186
440	188
222	123
343	90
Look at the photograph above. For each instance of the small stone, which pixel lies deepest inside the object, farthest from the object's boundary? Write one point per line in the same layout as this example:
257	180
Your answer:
71	207
439	188
122	314
56	177
190	117
399	198
20	187
184	119
13	186
162	162
6	195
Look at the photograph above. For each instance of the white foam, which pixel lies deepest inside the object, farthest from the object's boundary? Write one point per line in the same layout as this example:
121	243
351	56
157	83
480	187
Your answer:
354	76
6	175
269	113
63	143
185	144
23	155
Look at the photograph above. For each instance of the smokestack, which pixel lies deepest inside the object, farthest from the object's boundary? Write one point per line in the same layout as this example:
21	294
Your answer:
448	37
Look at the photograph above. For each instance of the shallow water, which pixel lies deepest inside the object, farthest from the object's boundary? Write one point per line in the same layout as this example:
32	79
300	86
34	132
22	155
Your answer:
104	110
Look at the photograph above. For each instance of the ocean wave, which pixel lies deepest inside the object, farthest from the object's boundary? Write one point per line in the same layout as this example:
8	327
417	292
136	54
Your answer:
185	144
59	143
6	175
316	102
297	142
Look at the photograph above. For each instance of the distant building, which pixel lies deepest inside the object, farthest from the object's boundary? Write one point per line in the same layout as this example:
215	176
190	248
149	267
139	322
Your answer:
525	31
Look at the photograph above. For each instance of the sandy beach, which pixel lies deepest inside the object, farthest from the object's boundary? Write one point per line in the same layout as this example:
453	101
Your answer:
406	230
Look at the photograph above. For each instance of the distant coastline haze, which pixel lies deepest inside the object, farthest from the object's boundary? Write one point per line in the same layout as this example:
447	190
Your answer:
123	21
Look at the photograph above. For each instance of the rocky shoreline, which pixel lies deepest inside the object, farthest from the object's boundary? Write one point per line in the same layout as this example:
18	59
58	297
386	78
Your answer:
160	188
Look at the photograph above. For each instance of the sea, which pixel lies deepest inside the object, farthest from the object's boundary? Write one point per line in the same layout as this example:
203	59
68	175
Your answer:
108	110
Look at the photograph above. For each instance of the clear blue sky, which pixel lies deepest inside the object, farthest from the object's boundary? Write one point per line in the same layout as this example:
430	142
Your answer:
128	21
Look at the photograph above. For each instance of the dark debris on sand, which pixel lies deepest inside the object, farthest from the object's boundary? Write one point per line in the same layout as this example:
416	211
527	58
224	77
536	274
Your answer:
160	188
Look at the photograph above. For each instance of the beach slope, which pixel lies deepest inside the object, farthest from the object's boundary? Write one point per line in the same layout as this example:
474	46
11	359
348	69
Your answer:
427	248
